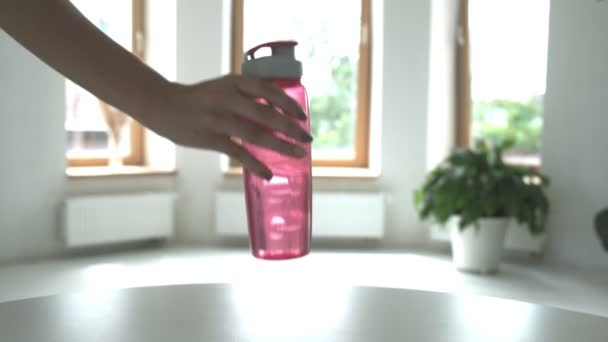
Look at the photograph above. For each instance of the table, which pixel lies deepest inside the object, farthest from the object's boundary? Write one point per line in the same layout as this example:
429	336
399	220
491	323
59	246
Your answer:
288	312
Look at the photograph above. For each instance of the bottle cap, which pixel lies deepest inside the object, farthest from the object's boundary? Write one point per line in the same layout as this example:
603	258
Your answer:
280	64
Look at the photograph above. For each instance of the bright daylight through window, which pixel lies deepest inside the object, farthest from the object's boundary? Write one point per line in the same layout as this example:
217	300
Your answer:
335	56
98	134
508	70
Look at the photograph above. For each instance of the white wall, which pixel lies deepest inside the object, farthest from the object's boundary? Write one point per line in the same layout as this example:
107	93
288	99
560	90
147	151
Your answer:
441	128
575	143
406	63
32	164
31	152
199	57
202	54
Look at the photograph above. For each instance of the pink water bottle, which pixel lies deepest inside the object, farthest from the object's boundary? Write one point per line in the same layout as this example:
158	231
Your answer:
279	210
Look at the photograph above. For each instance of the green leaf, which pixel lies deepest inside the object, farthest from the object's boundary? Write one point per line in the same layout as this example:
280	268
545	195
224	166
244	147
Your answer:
478	184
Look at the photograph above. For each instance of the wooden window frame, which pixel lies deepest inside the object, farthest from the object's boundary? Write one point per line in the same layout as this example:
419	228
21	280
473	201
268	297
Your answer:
137	155
362	124
464	100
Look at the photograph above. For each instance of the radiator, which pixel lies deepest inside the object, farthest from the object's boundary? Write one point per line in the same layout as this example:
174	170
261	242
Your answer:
335	215
93	220
518	238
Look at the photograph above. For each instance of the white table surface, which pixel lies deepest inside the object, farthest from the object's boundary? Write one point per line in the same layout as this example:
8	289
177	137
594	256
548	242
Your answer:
288	312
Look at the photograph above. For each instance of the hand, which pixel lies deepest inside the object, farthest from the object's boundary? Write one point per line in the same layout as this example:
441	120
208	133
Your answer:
208	115
211	114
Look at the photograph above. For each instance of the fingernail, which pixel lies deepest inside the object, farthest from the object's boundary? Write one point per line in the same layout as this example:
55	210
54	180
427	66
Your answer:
302	116
305	137
267	174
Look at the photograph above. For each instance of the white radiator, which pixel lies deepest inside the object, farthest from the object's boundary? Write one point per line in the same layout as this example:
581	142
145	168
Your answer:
91	220
346	215
518	238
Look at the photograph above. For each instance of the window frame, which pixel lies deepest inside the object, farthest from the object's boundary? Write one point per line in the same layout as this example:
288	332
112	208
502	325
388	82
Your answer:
464	100
362	121
463	78
137	143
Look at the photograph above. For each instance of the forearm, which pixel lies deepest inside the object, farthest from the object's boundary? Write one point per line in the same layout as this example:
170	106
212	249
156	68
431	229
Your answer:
56	32
206	115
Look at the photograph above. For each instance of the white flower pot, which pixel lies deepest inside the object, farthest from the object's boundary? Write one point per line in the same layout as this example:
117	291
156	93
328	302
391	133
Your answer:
478	249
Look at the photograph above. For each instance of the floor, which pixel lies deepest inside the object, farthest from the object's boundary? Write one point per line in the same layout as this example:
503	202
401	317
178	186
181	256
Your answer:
558	287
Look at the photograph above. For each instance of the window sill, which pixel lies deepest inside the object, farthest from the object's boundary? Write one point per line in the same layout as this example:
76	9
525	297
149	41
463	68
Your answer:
326	172
121	171
533	161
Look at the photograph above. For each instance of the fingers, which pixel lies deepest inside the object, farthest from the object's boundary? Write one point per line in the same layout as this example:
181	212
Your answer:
252	133
263	89
224	144
249	162
269	117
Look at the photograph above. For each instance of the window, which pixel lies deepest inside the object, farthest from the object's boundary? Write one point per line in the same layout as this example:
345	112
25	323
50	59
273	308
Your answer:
508	61
336	60
98	134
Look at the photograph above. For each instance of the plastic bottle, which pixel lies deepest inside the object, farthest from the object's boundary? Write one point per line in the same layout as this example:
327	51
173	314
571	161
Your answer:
279	210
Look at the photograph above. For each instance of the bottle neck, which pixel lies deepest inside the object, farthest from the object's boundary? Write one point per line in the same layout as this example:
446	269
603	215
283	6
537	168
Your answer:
287	82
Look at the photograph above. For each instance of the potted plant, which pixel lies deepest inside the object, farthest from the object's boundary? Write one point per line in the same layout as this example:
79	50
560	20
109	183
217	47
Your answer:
601	227
475	194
